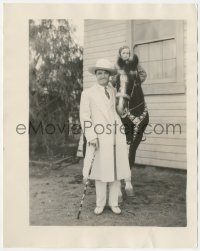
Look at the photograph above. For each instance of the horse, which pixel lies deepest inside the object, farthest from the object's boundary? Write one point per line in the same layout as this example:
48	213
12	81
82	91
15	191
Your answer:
132	108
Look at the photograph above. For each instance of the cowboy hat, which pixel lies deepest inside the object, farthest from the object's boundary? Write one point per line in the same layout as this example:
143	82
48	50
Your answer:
102	64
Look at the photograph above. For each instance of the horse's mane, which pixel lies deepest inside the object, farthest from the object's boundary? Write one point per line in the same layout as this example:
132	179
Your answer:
129	65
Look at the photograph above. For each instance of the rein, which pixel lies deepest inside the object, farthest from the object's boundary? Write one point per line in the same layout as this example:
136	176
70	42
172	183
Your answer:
136	106
132	117
141	117
136	120
137	124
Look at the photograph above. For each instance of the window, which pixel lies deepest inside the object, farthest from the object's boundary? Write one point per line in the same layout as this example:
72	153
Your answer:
159	46
159	60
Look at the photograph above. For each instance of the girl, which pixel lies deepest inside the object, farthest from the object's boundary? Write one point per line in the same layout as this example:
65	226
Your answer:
137	118
130	66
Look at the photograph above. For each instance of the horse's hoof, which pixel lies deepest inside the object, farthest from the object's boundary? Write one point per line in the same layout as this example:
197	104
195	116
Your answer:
129	192
128	185
129	189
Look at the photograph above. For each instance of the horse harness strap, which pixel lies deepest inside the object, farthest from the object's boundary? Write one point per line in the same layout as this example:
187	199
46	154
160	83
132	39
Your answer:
143	115
123	95
141	118
137	106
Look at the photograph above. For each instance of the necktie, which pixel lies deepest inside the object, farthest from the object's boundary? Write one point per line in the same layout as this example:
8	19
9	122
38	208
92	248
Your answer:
107	93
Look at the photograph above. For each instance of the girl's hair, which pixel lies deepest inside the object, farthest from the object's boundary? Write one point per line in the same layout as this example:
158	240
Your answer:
124	47
135	61
132	62
130	65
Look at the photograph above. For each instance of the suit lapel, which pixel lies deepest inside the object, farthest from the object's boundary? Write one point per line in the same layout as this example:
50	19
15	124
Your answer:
112	103
100	101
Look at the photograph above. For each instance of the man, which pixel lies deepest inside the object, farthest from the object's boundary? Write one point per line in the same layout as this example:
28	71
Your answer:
104	132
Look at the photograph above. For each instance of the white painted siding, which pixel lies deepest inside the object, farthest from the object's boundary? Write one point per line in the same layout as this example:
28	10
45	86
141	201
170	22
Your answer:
102	40
169	147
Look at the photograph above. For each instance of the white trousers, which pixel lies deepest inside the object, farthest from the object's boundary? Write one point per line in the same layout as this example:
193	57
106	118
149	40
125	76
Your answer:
101	193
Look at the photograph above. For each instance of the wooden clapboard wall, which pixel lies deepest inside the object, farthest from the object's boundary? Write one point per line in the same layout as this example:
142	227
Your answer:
167	149
102	39
166	100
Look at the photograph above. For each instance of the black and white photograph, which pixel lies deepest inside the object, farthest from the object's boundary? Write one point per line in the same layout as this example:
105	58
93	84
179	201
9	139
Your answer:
107	143
100	125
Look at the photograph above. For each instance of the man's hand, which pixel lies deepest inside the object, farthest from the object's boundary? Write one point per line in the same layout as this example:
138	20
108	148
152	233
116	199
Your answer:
84	180
94	142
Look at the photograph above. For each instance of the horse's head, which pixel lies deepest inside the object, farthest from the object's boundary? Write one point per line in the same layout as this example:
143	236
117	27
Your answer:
123	95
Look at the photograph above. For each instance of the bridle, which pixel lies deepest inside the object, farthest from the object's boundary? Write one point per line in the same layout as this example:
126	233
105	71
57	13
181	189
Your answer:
122	94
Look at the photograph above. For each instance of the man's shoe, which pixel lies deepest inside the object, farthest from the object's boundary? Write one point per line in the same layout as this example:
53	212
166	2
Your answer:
98	210
116	210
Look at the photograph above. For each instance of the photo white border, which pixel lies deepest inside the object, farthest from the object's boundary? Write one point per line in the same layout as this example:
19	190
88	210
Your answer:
16	230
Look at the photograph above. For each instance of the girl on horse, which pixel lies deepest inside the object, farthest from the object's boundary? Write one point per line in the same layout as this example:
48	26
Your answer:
135	116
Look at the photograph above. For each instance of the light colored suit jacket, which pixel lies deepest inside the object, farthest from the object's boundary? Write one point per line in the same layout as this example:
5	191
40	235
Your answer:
99	119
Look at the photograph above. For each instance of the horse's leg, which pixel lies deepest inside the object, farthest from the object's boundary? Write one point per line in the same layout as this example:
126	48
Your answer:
132	152
128	126
120	196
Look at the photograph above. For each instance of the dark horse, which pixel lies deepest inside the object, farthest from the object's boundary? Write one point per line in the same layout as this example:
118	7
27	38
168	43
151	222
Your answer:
131	106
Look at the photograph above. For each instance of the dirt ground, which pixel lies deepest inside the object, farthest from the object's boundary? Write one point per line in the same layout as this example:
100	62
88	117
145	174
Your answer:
159	198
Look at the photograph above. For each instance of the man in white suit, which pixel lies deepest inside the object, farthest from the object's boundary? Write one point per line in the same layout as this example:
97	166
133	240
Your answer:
104	131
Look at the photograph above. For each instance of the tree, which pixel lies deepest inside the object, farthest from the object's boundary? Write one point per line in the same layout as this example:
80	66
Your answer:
55	79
